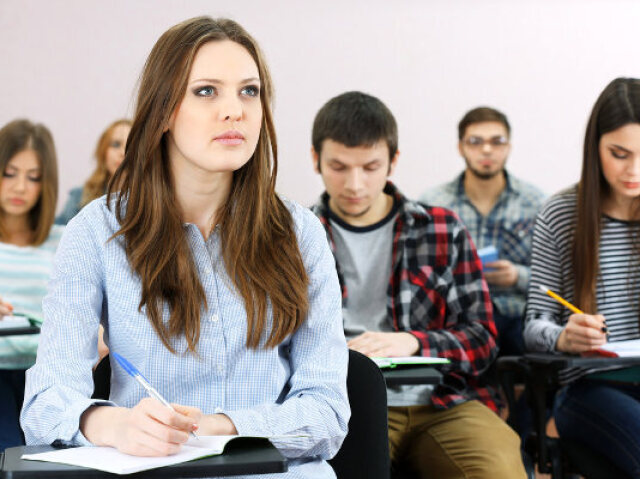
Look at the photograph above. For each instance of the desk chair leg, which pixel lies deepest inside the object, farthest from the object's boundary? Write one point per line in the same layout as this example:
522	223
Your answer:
538	393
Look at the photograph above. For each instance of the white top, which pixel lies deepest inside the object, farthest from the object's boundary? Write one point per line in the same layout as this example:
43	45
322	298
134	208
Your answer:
24	273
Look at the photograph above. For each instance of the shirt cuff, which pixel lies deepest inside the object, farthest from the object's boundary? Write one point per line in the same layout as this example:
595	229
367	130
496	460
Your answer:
248	423
524	272
70	432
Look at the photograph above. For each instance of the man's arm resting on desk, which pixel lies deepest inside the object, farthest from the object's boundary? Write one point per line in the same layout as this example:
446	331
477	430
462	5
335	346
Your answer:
385	345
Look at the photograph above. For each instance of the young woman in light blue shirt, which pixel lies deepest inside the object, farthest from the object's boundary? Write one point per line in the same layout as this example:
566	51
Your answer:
28	192
222	294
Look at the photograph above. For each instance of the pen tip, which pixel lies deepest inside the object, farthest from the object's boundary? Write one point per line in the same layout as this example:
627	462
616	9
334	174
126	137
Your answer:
543	288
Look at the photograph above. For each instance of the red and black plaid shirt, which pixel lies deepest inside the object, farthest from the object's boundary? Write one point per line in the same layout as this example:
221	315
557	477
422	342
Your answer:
437	293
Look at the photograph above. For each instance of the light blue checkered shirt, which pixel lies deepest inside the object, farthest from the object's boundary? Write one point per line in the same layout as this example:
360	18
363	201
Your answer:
508	227
297	388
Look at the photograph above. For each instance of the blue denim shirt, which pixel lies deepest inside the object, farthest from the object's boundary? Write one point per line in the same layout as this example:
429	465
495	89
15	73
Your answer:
508	227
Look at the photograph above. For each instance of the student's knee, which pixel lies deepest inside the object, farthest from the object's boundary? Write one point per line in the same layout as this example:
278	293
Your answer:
482	445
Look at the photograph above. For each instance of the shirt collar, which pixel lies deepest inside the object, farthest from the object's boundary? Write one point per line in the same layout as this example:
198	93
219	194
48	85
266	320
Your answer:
508	189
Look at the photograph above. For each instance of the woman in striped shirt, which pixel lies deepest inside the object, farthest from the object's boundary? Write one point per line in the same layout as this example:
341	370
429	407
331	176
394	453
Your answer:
586	246
28	193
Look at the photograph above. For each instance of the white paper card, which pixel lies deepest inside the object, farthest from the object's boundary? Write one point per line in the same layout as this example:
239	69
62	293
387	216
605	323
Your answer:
7	322
624	349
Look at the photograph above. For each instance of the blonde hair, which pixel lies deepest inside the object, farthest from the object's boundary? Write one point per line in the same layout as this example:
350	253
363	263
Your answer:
97	183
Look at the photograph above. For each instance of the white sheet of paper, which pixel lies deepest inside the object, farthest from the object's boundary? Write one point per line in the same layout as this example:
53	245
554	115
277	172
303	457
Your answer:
111	460
624	349
7	322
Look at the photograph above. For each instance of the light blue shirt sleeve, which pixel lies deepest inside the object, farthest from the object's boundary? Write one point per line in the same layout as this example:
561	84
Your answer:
298	387
60	384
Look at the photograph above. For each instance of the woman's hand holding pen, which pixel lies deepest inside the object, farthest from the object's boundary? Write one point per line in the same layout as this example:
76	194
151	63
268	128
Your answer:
5	308
148	429
583	332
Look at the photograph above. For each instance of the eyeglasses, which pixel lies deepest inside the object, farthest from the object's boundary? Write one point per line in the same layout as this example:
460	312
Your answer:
479	142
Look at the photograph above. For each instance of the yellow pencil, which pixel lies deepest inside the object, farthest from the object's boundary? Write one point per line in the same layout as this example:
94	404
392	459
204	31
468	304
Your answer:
560	300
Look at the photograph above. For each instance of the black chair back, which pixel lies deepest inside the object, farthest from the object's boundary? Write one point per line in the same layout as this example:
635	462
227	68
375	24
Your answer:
365	451
102	379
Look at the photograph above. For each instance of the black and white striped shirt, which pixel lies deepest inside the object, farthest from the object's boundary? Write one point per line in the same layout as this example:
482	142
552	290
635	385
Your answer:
617	284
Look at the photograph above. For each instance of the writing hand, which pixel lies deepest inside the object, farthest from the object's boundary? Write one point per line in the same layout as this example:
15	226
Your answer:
378	344
583	332
505	273
148	429
6	309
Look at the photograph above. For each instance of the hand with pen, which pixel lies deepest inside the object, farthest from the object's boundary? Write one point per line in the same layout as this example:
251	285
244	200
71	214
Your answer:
583	332
6	309
153	427
147	429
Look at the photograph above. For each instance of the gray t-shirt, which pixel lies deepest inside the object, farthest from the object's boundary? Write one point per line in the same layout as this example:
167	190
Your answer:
364	256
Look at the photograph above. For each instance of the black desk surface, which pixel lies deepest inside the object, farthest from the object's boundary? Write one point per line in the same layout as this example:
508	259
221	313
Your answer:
568	360
20	330
565	368
411	375
246	456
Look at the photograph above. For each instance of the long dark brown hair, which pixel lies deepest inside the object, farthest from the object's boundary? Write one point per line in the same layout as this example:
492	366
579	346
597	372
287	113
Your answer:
97	183
20	135
259	246
618	105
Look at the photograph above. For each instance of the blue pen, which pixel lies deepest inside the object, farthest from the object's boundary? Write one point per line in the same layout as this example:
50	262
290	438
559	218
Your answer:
137	375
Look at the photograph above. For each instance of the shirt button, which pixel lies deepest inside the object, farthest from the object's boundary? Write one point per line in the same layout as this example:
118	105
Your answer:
214	318
208	270
220	368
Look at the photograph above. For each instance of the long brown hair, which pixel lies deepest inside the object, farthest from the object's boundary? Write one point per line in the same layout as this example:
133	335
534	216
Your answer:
617	106
20	135
97	183
259	246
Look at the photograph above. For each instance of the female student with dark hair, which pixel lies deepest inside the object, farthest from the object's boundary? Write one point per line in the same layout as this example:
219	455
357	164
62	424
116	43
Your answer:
28	193
586	248
222	294
109	154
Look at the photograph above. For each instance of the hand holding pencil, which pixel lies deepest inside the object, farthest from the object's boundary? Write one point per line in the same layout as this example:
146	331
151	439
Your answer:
583	332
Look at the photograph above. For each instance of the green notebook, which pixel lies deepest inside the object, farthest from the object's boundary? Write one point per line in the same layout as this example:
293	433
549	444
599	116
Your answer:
409	360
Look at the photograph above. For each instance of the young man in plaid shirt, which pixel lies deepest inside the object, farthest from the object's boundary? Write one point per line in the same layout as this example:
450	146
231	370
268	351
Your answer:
499	210
412	285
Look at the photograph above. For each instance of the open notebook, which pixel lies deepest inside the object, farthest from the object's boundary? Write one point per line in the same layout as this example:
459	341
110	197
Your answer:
622	349
8	322
111	460
408	360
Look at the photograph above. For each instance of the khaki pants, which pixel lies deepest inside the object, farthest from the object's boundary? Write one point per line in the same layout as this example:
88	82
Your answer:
467	441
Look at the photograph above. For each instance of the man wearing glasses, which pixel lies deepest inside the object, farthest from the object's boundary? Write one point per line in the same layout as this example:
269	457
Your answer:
499	211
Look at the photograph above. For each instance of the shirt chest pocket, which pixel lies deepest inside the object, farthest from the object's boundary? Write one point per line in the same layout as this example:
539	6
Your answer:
428	296
515	240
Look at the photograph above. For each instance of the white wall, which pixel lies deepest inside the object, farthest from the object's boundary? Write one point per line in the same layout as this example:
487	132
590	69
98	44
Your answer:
74	65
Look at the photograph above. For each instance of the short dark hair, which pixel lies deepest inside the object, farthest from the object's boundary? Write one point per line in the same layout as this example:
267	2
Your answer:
480	115
355	119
